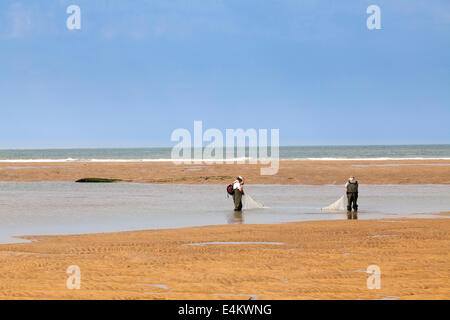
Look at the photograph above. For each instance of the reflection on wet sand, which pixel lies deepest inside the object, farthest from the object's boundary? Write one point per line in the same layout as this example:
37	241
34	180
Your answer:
236	218
352	215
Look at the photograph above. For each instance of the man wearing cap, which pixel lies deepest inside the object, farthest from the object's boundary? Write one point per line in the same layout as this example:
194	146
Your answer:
238	192
351	187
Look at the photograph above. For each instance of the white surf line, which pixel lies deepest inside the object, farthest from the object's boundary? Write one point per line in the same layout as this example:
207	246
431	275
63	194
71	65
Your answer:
364	159
73	160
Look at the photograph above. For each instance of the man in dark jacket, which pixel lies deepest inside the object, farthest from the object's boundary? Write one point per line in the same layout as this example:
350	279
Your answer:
351	187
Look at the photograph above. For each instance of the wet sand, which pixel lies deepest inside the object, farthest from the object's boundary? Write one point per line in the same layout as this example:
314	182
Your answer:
303	260
306	260
290	172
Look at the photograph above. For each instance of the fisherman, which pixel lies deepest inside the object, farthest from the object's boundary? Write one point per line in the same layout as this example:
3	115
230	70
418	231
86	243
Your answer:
238	192
351	187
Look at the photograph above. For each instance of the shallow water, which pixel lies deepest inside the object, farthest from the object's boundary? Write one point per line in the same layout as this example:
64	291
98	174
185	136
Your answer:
45	208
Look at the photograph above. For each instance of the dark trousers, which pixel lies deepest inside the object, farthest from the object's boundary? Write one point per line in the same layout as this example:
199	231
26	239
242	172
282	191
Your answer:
352	198
237	198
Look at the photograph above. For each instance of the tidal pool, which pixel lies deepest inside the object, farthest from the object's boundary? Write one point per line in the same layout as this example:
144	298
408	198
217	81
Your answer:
50	208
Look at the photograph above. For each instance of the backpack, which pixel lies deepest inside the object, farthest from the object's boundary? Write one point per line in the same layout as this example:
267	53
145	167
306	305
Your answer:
352	187
230	189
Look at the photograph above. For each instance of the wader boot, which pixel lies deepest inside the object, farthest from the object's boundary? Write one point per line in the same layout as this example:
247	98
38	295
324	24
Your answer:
349	215
237	197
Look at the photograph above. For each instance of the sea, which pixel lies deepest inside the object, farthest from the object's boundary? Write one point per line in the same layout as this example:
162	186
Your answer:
381	152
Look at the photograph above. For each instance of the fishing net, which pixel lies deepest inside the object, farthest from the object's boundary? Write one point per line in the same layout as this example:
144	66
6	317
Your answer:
338	205
249	203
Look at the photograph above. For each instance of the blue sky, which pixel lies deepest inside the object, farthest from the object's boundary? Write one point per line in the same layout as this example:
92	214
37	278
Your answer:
139	69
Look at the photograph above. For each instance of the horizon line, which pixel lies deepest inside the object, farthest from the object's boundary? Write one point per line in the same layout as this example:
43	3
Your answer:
281	146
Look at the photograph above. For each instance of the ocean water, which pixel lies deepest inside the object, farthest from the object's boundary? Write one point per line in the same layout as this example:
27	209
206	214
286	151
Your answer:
45	208
286	153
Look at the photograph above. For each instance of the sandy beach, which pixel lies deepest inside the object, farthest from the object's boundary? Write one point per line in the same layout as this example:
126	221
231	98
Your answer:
290	172
300	260
308	260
